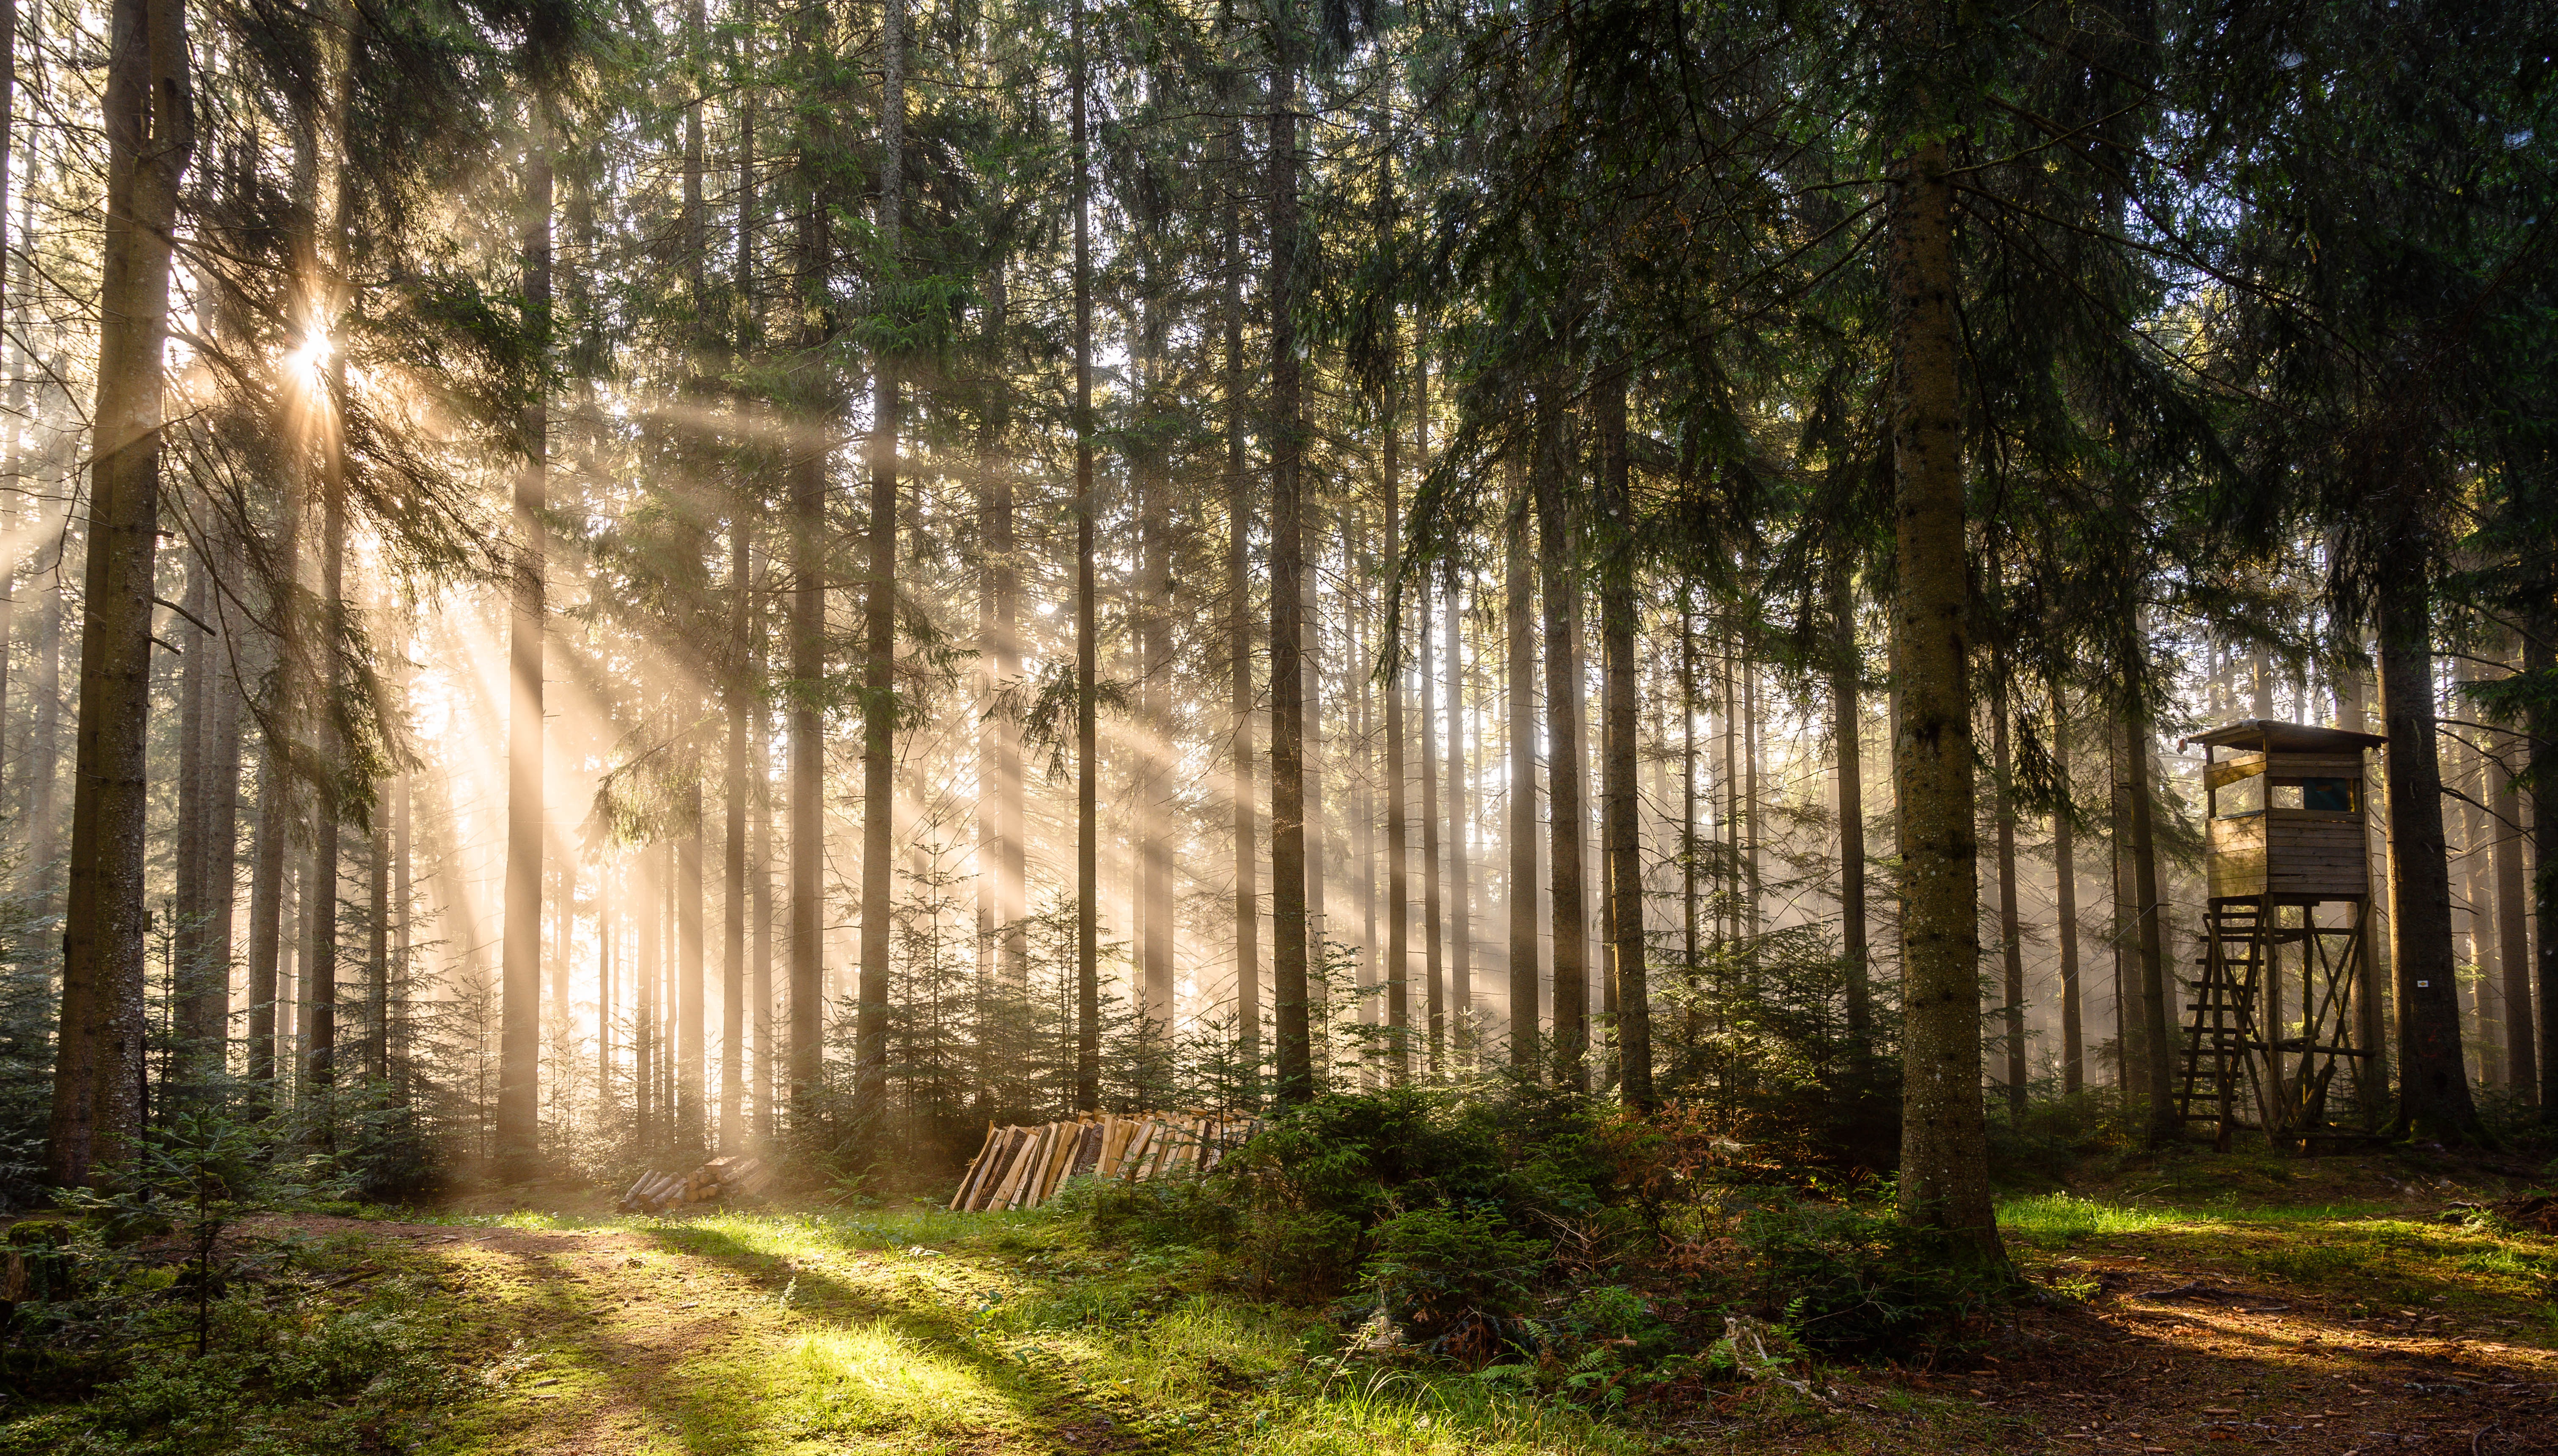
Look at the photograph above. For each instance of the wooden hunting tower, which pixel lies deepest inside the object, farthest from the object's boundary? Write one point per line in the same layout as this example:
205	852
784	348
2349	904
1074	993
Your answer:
2281	1006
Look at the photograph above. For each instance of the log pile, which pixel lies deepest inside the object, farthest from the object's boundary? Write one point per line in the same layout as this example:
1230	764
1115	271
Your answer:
718	1181
1023	1167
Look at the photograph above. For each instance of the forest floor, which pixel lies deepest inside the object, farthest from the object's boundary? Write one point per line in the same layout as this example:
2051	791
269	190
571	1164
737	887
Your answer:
2196	1303
2334	1306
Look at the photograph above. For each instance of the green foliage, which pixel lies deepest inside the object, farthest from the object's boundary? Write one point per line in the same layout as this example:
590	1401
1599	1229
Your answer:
282	1372
2055	1135
1460	1279
28	1014
1574	1244
1851	1279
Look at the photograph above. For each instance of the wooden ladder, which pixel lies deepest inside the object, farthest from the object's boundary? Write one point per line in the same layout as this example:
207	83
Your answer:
2221	1037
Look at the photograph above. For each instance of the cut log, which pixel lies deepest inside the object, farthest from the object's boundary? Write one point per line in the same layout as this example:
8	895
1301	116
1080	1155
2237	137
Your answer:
1025	1168
968	1178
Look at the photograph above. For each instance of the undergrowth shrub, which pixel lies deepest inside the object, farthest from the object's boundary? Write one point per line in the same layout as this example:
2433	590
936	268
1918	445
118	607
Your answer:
1558	1238
1849	1278
2055	1135
1462	1282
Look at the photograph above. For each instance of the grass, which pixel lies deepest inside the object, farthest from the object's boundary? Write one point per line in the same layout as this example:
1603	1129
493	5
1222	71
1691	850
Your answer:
913	1333
2065	1220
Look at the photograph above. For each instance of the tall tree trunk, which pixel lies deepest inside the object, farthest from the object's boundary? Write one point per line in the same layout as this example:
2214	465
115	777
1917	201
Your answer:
1846	731
740	796
148	111
330	711
402	948
221	816
266	914
2064	868
43	751
879	607
1433	947
197	1032
808	565
377	949
1311	662
1556	565
1005	818
606	1103
691	1016
1945	1147
1623	723
2132	1050
23	246
1153	611
1517	629
1239	608
1289	930
760	884
2157	978
520	1030
1088	626
2011	929
1398	858
2512	923
2483	992
1461	926
2540	658
2433	1084
1690	940
645	1050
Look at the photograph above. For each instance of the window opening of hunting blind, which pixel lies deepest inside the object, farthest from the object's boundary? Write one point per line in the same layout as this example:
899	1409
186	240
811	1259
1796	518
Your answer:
2258	791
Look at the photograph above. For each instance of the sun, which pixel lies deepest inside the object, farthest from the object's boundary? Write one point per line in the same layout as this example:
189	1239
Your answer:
303	366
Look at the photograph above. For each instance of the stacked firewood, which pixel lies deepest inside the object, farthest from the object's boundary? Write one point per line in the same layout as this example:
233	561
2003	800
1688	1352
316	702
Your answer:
1023	1167
719	1180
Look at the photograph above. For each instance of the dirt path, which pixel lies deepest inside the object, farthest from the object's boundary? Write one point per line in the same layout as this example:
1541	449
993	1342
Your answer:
2185	1357
686	1337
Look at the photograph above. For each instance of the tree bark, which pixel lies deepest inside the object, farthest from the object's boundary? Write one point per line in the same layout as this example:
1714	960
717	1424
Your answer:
220	816
1088	626
1239	607
808	565
2540	658
519	1129
1518	618
1289	930
1846	729
2011	930
2513	913
1461	927
148	110
1153	611
1433	944
739	797
2433	1085
331	712
1556	565
1622	716
2158	979
198	1028
1398	857
879	608
1944	1150
377	949
2065	866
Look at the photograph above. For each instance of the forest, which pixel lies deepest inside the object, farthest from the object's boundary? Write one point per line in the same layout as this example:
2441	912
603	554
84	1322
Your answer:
1630	725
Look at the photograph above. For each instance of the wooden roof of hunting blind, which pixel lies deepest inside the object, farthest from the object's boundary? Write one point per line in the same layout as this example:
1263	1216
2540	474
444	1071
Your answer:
2268	736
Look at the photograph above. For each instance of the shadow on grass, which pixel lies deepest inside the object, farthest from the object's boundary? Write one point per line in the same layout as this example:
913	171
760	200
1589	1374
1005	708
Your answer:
871	1356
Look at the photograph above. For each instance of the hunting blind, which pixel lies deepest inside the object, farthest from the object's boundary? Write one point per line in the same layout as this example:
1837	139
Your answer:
2282	1005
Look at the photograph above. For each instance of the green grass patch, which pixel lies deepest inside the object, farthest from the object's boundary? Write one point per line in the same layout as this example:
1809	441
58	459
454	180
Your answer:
2066	1220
